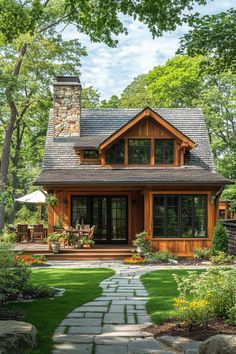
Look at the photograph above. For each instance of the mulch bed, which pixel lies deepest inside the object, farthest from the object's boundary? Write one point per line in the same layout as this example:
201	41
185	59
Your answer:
200	333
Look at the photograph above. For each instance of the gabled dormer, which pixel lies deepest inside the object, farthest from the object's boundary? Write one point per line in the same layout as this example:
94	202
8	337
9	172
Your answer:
146	140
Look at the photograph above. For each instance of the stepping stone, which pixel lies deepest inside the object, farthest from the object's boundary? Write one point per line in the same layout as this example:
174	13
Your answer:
82	322
73	348
85	330
93	309
73	338
108	349
114	318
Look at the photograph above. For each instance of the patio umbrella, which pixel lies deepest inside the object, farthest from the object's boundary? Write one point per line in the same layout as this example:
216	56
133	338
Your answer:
36	197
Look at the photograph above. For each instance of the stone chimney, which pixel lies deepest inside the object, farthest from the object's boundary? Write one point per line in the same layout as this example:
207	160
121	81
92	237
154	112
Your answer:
67	106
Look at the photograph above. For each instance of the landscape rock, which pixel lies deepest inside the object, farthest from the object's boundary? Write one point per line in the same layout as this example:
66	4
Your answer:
219	344
16	337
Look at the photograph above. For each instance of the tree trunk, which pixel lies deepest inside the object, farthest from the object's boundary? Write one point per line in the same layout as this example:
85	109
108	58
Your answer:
6	149
15	162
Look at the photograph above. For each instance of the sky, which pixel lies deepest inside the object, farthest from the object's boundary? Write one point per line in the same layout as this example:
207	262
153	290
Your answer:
110	70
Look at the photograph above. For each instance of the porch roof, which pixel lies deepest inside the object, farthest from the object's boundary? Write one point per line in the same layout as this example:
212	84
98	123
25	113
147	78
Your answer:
131	176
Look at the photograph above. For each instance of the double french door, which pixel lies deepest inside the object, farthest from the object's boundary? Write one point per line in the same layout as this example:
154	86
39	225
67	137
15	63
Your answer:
107	213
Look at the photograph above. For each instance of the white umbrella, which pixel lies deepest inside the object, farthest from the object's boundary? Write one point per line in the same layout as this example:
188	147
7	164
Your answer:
36	197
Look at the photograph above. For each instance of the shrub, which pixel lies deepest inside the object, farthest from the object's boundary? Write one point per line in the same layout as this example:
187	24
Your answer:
217	286
13	277
8	236
232	316
220	240
202	254
163	256
221	257
193	312
10	314
37	291
143	243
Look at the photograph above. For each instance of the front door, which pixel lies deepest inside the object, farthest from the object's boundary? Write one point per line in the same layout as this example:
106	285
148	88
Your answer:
107	213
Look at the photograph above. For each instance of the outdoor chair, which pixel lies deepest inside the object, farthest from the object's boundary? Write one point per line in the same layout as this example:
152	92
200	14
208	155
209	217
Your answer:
85	227
22	232
38	232
91	232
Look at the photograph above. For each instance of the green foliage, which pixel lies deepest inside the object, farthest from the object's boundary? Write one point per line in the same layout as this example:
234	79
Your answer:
13	277
163	256
10	313
232	316
38	291
59	224
86	240
8	237
221	257
55	237
202	254
220	240
51	200
216	286
229	193
213	35
143	243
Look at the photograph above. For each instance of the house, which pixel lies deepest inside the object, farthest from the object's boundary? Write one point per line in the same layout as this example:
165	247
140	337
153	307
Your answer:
129	170
225	211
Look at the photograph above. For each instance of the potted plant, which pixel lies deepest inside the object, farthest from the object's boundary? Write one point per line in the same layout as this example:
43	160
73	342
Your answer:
59	225
86	242
54	240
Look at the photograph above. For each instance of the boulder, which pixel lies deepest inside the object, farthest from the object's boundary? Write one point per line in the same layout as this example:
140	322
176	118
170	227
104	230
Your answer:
16	337
219	344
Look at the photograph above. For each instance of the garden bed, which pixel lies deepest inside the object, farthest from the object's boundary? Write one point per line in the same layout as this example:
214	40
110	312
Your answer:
199	333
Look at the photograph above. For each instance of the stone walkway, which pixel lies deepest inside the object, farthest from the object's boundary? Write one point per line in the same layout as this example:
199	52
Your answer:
113	322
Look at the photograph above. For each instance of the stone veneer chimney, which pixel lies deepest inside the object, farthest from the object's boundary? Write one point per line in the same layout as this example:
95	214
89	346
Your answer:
67	106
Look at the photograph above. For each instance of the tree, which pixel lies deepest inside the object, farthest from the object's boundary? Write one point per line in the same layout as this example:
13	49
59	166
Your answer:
90	98
213	36
27	25
113	102
220	240
185	82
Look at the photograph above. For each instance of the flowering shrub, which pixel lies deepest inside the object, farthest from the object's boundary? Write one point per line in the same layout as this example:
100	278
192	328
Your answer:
221	257
29	260
216	286
202	254
135	259
143	243
193	311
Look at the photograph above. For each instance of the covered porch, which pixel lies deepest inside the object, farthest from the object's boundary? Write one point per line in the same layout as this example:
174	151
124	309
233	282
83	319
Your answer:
179	219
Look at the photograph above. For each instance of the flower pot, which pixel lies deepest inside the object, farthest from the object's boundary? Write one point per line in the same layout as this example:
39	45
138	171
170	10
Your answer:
87	245
55	247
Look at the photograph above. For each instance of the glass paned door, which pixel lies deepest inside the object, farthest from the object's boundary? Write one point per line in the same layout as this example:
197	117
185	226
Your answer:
100	218
118	218
108	213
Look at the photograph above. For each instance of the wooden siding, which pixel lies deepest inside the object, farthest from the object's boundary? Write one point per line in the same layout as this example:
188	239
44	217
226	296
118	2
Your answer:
148	128
140	213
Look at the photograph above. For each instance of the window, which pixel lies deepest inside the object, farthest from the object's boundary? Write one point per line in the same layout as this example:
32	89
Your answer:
139	151
164	152
90	154
115	155
179	216
222	214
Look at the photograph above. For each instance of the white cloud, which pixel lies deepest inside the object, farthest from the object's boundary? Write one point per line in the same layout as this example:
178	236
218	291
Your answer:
110	70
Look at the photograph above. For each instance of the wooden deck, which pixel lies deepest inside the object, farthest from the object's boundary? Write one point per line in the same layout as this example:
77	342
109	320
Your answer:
98	252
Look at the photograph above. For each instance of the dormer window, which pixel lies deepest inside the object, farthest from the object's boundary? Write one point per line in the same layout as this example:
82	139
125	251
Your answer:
164	152
91	154
115	154
139	151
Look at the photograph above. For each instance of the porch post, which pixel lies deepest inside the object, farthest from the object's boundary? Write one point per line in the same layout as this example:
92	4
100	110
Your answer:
147	212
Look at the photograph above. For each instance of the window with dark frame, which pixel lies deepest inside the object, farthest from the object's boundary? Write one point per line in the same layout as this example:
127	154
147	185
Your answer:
180	216
115	154
164	151
139	151
90	154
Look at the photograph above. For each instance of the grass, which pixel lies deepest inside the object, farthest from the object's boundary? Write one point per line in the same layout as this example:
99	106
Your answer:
162	291
82	285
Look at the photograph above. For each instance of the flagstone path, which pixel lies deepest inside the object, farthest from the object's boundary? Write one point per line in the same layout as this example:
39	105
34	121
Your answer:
113	322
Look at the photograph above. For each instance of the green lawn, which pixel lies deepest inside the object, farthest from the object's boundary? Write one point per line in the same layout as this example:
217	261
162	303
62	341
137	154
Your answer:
82	285
162	291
